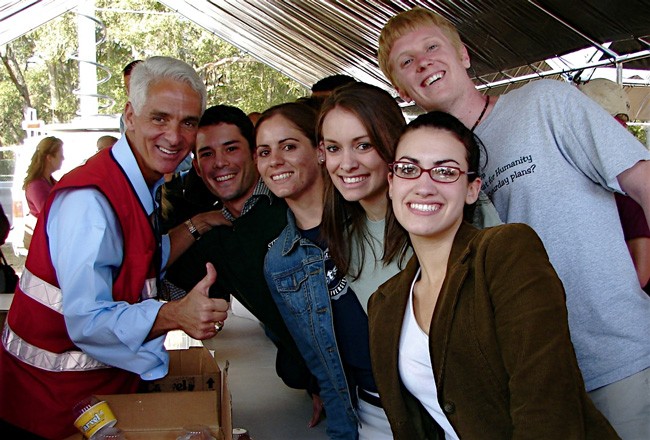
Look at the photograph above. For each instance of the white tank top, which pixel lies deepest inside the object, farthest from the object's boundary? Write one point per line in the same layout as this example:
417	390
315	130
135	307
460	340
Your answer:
415	369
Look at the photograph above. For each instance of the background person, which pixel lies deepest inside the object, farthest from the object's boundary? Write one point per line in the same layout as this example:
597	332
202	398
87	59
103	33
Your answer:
254	117
38	183
83	320
324	86
126	77
614	100
555	160
105	142
475	329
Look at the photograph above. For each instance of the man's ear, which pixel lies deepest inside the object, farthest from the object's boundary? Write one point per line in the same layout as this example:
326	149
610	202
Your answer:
402	94
464	57
129	116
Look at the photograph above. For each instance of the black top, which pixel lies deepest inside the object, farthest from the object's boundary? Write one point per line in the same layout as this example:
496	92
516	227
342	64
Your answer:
238	253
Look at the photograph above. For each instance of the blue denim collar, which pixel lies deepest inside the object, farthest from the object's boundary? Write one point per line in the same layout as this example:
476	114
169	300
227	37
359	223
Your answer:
291	235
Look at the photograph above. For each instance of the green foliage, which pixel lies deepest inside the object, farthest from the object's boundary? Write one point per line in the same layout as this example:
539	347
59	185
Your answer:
11	132
230	76
640	133
44	55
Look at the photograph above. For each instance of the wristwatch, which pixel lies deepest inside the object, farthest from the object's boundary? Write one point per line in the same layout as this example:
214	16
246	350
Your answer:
192	229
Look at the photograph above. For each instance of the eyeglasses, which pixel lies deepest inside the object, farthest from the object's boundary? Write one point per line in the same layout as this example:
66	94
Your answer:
442	174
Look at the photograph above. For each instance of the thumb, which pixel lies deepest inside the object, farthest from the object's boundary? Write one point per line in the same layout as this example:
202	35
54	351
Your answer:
208	280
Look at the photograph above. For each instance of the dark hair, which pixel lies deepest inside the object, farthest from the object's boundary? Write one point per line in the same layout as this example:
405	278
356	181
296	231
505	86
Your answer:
228	114
129	67
315	102
381	116
301	115
397	239
329	83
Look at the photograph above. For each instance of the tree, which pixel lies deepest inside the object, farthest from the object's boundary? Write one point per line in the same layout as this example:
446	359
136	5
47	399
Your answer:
640	133
39	71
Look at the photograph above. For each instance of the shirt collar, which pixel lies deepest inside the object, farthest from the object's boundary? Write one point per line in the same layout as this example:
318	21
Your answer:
124	156
262	190
259	191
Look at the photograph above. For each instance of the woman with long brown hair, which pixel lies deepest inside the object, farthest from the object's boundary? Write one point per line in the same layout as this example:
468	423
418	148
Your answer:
357	129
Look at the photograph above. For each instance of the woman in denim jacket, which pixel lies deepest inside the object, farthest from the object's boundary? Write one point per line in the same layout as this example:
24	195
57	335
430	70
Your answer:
288	162
323	313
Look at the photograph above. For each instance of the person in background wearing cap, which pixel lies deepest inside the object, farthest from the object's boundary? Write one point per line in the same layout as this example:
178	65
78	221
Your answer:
613	98
555	158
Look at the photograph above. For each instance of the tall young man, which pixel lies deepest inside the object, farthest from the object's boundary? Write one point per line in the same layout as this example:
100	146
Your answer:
554	160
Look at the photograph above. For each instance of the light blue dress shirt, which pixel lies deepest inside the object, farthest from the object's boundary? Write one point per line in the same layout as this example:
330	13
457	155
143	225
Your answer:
85	242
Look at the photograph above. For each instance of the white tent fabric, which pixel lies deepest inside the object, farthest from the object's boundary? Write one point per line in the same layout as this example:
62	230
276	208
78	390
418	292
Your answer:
508	40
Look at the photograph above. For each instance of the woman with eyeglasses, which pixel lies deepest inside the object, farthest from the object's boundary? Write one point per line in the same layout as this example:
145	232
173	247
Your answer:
471	339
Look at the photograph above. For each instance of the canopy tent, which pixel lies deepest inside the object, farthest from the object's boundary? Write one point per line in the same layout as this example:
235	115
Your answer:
20	17
310	39
508	40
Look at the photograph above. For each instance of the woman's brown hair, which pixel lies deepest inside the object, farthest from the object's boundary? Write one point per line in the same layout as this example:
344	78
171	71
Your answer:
48	146
343	221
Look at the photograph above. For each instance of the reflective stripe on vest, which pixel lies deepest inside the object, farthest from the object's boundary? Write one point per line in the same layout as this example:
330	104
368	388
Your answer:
41	291
50	296
46	360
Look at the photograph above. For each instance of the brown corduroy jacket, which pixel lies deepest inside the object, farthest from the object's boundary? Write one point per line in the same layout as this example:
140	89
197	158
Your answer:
499	344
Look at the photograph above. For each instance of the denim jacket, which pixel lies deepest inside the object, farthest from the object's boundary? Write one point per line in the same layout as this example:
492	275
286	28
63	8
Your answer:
294	268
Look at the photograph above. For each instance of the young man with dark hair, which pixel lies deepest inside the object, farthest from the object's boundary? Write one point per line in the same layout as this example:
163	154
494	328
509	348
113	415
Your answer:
224	158
126	73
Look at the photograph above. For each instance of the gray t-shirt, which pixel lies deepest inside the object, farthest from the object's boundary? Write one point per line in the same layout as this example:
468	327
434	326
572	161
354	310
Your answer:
553	158
373	272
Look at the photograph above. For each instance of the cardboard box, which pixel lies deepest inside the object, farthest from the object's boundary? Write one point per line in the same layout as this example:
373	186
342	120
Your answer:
192	369
195	392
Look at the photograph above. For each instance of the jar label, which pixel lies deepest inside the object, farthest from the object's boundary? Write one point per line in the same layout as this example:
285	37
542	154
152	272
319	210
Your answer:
95	418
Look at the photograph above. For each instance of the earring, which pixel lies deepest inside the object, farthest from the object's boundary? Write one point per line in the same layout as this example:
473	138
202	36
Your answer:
321	161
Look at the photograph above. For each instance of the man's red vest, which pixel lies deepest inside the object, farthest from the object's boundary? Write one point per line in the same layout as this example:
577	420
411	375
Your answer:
42	373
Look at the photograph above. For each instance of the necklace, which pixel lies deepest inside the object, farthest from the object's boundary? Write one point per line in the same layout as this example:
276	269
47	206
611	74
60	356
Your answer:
487	102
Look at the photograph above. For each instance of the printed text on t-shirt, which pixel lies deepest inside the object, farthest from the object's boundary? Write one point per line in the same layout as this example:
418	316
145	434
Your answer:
506	174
